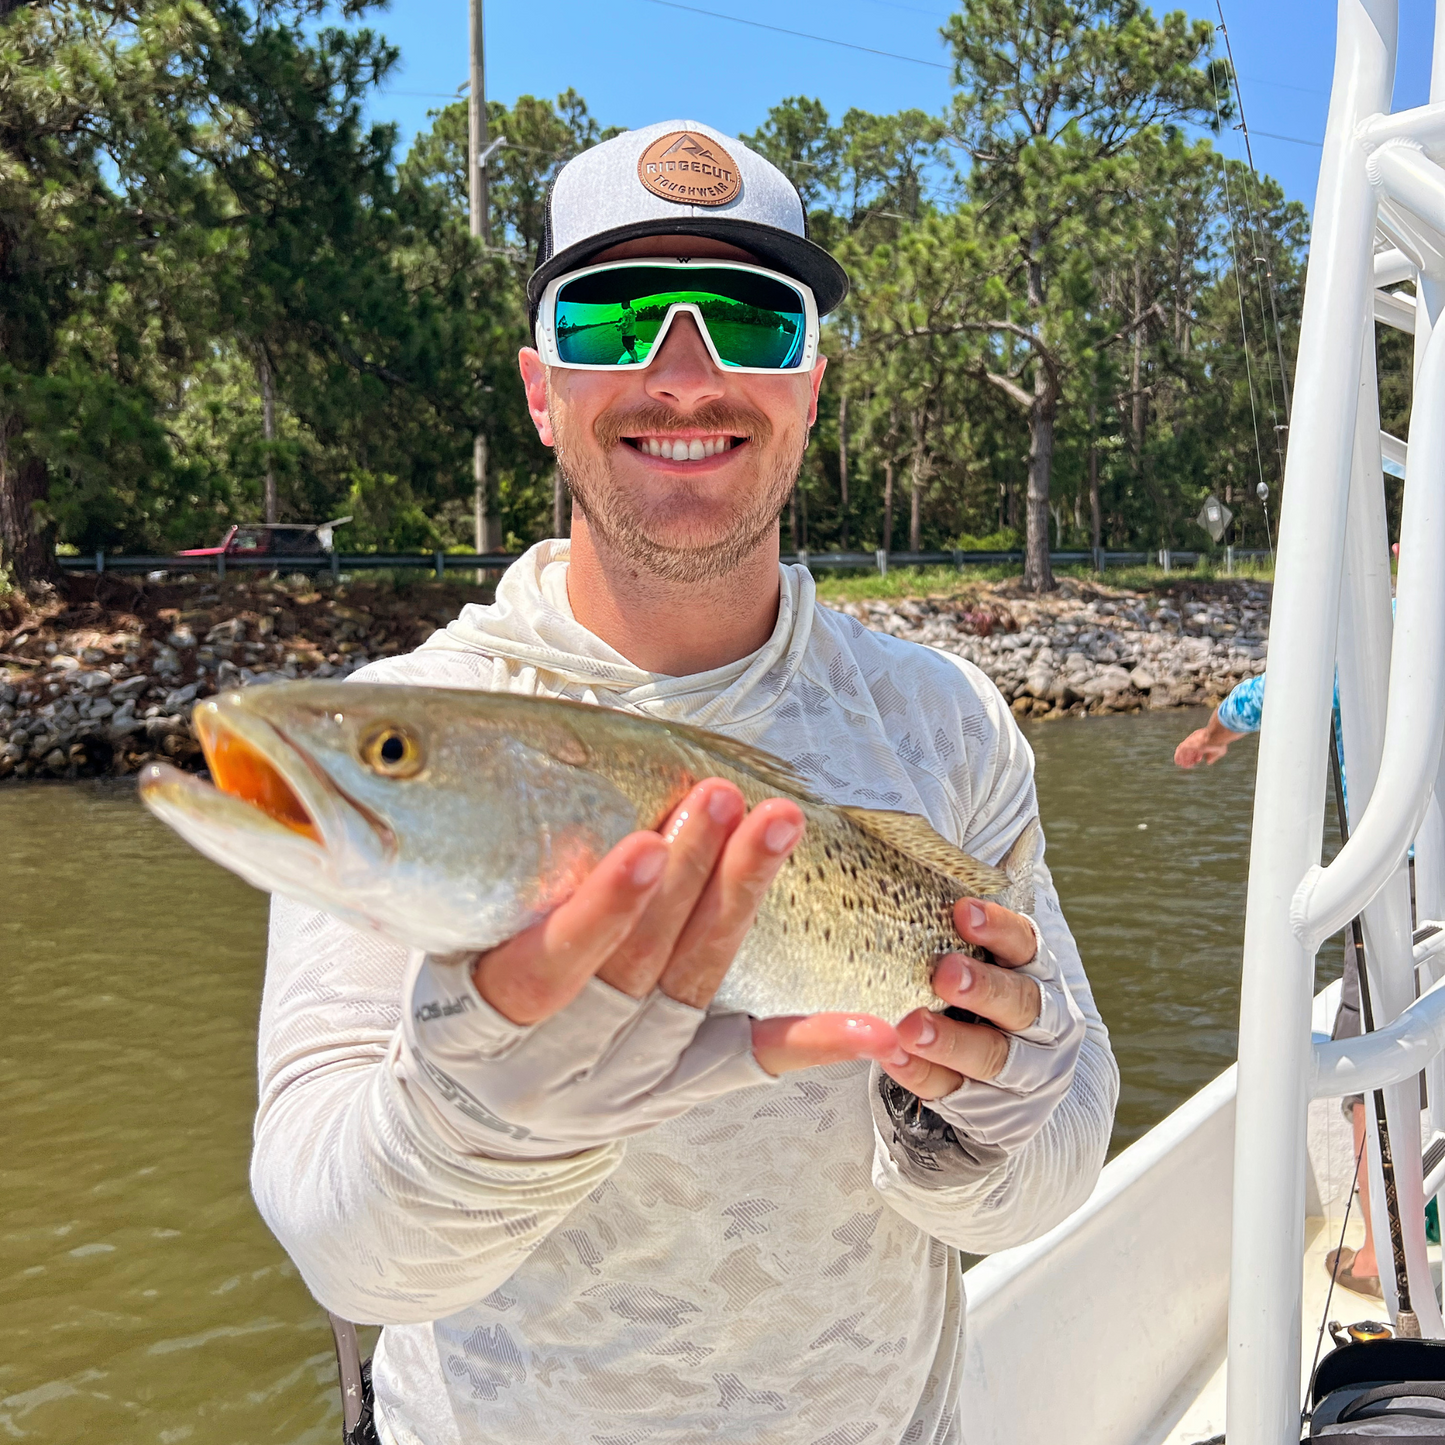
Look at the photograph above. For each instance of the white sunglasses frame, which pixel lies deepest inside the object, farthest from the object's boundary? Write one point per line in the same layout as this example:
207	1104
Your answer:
547	312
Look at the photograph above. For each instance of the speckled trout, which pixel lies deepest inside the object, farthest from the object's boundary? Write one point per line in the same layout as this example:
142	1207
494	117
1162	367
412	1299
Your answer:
451	820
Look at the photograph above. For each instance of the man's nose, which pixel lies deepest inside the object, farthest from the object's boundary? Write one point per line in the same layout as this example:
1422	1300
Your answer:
682	373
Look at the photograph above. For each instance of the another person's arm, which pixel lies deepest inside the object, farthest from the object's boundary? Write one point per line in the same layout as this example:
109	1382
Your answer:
1237	715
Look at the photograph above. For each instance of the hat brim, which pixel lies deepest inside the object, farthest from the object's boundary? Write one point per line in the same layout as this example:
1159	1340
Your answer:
793	255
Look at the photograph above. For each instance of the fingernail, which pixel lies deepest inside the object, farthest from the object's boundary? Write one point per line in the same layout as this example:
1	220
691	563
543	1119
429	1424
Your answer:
781	834
723	805
977	918
648	869
897	1059
965	977
927	1032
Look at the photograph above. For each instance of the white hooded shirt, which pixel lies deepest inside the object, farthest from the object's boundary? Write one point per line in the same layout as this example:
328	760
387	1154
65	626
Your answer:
762	1268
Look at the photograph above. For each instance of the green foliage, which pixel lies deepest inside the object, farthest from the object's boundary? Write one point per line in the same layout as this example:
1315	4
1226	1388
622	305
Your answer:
1045	301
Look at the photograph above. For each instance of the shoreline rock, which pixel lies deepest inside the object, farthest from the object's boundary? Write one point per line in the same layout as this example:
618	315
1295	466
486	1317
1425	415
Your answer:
1090	648
101	680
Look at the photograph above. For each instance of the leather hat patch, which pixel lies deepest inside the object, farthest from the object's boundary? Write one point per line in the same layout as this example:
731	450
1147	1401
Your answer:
691	169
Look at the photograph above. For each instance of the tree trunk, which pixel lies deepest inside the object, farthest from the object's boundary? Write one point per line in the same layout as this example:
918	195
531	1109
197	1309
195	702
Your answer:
268	430
1137	372
916	468
1038	572
1096	520
27	544
561	514
888	505
843	470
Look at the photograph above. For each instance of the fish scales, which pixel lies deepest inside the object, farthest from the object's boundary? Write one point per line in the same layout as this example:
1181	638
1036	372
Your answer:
498	804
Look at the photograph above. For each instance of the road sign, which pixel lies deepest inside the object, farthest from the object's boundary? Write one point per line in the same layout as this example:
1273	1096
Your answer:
1214	516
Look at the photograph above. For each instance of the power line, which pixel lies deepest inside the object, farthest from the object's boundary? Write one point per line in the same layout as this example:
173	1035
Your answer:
801	34
1293	139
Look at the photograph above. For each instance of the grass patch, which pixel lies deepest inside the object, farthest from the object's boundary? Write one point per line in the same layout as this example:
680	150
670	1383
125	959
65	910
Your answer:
868	586
861	586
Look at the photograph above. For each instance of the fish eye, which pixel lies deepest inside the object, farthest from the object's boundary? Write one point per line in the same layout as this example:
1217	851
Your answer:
391	751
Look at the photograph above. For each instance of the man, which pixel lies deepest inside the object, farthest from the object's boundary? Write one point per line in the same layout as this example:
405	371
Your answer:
585	1209
627	326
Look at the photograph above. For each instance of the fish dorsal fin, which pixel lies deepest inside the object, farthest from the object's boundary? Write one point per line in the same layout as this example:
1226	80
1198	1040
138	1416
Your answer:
916	836
770	771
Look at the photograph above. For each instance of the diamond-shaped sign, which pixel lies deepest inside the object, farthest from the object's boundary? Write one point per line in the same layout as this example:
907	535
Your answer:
1214	516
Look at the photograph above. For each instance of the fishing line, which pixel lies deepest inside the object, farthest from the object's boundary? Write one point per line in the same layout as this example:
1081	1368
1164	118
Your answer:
1334	1273
1407	1325
1255	208
1239	289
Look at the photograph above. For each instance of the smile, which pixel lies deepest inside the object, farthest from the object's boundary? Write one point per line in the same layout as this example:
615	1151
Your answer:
683	449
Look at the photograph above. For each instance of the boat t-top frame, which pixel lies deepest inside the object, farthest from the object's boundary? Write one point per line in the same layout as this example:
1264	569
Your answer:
1379	222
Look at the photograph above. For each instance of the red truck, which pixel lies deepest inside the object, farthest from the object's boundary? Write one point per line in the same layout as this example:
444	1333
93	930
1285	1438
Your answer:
272	539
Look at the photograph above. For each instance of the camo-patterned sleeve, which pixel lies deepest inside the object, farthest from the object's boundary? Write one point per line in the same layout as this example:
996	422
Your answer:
387	1222
982	1198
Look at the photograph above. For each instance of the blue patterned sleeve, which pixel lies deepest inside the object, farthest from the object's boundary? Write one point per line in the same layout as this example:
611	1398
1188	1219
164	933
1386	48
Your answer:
1240	711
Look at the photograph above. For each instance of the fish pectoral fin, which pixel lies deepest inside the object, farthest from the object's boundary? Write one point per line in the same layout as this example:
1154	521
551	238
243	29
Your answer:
914	835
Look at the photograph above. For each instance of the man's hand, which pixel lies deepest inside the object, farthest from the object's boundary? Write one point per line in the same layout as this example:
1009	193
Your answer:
669	910
1205	745
932	1054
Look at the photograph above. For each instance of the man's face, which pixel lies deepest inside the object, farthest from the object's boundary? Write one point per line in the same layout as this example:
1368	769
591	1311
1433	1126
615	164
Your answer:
679	466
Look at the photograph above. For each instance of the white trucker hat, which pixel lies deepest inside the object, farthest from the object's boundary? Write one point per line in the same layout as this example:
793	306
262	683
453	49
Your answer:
680	177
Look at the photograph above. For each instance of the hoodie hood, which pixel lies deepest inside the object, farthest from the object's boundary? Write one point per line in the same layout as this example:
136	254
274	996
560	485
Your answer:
530	624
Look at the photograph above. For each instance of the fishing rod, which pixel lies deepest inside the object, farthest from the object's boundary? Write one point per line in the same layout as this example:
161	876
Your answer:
1407	1323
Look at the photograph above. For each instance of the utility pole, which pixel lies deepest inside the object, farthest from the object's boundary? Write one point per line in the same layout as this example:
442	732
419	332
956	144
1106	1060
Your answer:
481	228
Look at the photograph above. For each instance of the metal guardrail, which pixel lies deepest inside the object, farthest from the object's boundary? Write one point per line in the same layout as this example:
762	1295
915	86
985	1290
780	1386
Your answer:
439	563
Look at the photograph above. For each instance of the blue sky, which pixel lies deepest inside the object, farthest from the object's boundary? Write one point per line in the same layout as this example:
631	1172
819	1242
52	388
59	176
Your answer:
636	61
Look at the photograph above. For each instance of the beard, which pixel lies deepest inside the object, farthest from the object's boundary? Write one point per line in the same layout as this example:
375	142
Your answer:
664	535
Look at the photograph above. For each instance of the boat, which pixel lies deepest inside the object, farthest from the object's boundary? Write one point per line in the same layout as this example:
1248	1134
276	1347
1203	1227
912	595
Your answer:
1185	1302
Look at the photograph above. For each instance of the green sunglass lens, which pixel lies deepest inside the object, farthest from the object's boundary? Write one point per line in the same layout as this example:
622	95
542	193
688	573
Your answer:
612	318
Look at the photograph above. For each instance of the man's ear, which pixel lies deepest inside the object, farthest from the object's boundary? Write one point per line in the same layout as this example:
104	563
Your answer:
534	381
816	383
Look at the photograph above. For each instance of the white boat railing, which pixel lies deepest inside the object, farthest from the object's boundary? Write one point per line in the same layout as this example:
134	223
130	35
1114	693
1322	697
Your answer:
1379	222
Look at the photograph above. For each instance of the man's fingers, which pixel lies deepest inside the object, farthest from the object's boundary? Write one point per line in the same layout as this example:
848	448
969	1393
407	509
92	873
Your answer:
971	1051
540	971
696	833
783	1045
750	861
922	1077
1006	934
1003	996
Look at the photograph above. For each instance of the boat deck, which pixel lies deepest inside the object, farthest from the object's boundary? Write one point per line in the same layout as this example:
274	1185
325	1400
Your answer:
1332	1161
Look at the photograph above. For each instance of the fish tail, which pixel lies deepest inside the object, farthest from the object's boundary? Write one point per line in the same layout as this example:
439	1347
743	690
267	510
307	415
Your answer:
1018	865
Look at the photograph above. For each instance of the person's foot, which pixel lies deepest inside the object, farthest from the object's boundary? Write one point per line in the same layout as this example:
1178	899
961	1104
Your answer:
1341	1264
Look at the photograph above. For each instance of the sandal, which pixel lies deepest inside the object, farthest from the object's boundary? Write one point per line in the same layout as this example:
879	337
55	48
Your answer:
1367	1285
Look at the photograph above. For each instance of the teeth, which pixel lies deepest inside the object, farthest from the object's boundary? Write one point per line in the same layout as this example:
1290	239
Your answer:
684	451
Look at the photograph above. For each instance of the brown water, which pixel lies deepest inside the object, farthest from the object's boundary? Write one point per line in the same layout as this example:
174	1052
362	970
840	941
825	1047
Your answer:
141	1298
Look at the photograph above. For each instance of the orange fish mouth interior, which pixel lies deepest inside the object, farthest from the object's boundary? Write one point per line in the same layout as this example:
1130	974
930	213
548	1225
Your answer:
242	771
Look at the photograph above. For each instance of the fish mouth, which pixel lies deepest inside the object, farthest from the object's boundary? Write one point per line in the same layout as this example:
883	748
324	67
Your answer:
242	768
